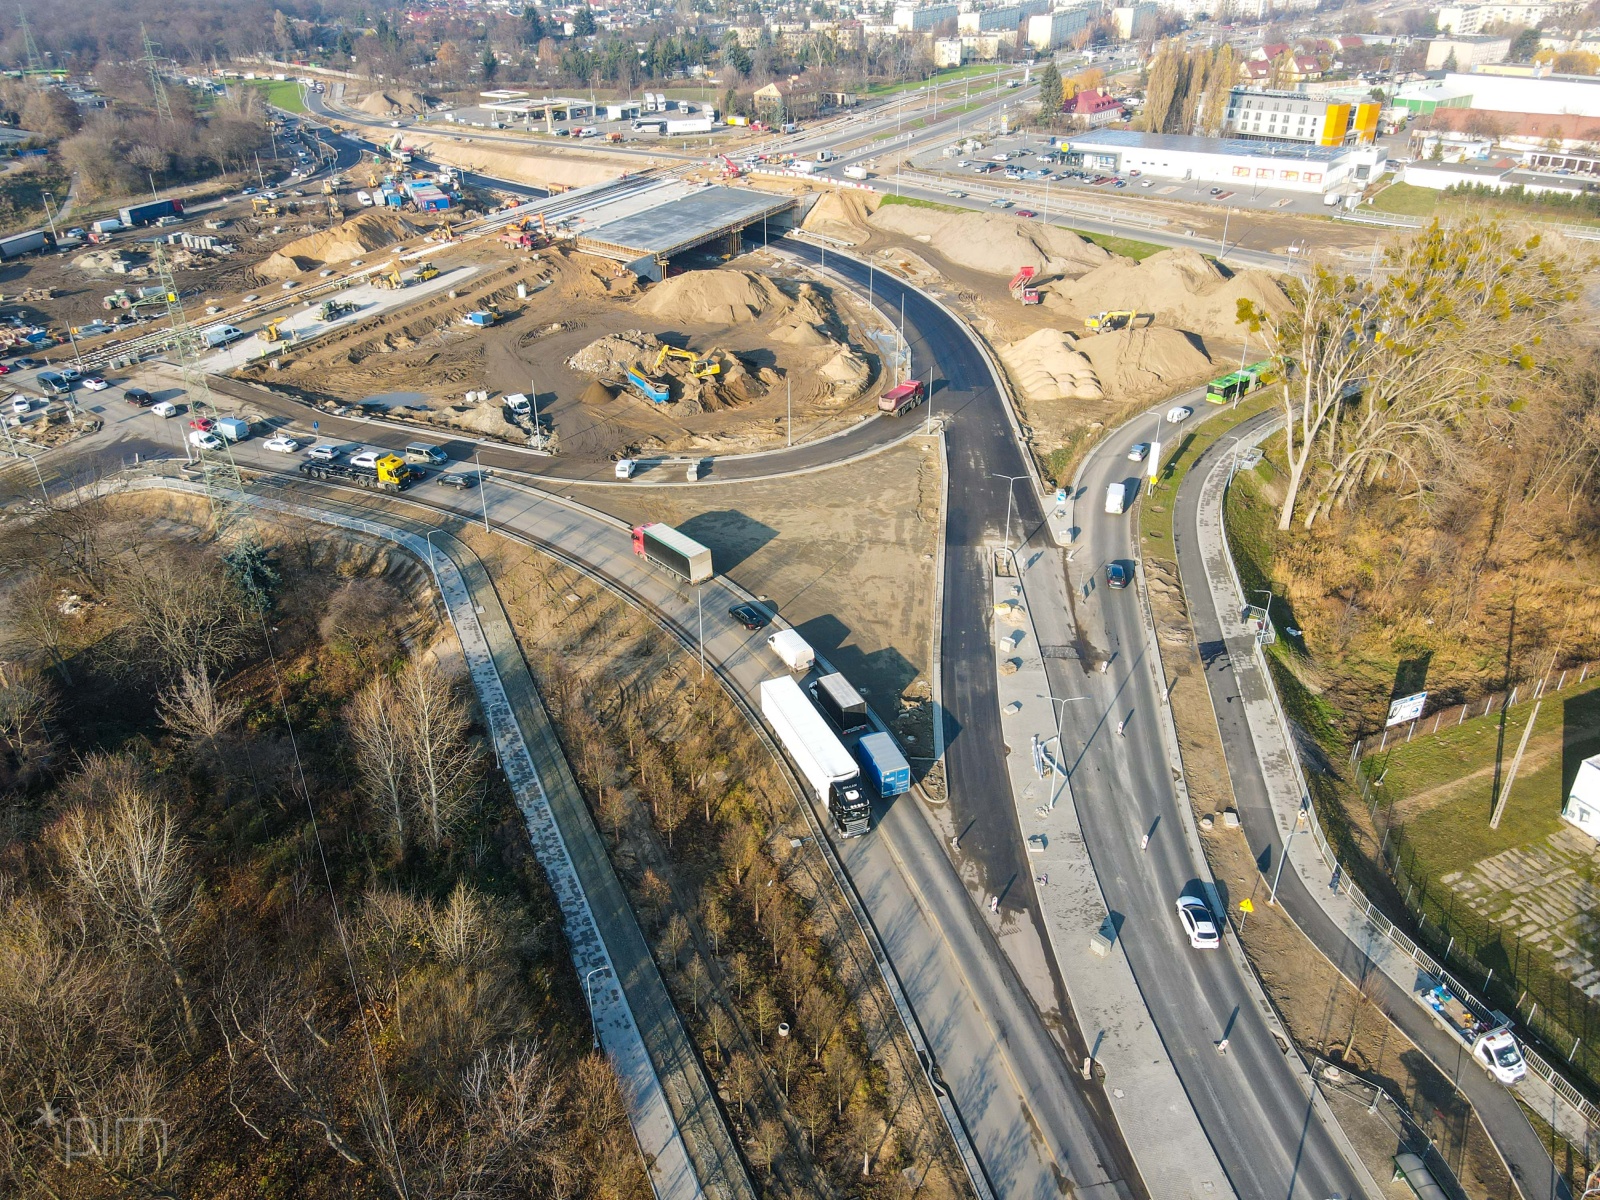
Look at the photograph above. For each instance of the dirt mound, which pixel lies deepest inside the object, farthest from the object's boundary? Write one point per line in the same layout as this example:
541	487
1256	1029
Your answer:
1135	364
564	168
1182	288
713	298
609	356
1044	366
387	104
597	393
842	215
993	245
358	236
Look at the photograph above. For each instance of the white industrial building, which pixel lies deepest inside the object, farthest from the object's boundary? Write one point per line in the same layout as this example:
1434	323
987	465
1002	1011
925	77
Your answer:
1582	808
1550	95
910	18
1231	162
1475	18
1464	53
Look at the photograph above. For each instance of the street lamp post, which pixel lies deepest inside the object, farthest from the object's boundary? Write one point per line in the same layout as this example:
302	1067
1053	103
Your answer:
432	566
1011	497
483	493
1299	821
588	989
1061	714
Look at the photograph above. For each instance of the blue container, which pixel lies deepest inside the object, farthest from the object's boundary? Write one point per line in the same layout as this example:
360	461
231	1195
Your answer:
883	763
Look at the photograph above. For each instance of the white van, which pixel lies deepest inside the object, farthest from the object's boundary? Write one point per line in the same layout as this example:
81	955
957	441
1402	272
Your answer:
221	335
365	198
1117	499
625	468
1331	200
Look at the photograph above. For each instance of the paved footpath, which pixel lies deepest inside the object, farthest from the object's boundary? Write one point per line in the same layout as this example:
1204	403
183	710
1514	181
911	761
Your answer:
1174	1156
1268	790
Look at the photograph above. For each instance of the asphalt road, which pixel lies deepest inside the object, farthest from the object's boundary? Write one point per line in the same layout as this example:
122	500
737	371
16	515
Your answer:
1521	1148
1271	1142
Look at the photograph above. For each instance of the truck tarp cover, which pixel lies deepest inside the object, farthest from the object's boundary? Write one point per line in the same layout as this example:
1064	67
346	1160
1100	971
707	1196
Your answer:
784	704
680	553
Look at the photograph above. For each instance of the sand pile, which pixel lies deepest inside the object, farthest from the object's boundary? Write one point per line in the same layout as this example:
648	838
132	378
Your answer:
102	262
386	104
358	236
1136	364
1044	366
842	215
487	417
563	168
609	356
993	245
713	298
1182	288
597	393
847	373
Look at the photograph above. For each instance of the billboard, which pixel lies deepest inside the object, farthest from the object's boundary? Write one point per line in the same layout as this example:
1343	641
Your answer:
1407	708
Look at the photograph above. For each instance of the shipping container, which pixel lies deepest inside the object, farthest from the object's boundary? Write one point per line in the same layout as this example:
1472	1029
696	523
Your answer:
843	704
666	547
883	763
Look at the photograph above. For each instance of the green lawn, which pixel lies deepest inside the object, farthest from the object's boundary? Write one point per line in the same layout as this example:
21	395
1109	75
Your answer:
974	72
914	202
1127	247
1407	200
1181	449
282	93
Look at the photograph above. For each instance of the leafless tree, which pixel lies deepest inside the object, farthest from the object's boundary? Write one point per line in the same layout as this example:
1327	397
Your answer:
675	937
177	608
27	706
766	1145
373	727
34	618
715	918
195	710
464	931
442	762
866	1131
129	859
842	1069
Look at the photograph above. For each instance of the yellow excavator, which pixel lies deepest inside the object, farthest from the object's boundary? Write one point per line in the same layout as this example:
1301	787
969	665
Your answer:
269	332
392	280
1114	319
698	367
264	207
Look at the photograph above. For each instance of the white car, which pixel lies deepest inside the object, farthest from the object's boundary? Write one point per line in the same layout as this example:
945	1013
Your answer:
22	404
69	373
324	453
1181	413
1195	917
1137	451
95	384
164	408
201	440
367	459
956	195
281	445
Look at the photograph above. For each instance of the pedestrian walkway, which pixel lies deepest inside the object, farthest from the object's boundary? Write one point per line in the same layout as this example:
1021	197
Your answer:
1309	858
1173	1154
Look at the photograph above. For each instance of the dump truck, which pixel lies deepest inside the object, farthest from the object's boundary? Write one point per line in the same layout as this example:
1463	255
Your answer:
883	763
843	704
1487	1036
793	649
387	474
666	547
826	765
900	400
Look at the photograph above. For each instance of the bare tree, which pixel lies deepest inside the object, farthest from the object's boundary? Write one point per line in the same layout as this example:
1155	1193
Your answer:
442	762
27	706
766	1145
195	710
373	727
35	618
715	918
128	857
675	937
177	608
464	931
842	1069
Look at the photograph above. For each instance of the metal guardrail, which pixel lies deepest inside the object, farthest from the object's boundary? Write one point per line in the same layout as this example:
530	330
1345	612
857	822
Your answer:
1581	1108
1063	202
1586	233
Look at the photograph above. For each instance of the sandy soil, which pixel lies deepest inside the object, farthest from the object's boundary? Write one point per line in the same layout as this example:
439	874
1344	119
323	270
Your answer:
1326	1015
846	555
560	168
582	322
371	230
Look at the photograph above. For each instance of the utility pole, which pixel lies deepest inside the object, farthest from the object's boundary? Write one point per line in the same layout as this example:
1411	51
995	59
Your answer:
157	87
31	47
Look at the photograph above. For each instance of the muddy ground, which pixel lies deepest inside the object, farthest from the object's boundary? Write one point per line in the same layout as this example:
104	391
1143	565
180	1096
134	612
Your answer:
847	556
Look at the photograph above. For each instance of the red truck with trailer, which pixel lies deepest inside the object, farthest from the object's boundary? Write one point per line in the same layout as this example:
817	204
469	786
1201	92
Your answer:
900	400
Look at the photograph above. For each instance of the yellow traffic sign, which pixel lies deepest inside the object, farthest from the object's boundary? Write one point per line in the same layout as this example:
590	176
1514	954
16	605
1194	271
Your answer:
1246	906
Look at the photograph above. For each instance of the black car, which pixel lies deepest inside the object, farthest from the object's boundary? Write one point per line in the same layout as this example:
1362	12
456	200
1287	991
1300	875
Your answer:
749	616
139	397
25	363
1116	575
451	479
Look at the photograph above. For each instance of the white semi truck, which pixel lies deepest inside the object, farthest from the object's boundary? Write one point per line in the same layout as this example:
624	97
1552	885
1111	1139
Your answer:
834	776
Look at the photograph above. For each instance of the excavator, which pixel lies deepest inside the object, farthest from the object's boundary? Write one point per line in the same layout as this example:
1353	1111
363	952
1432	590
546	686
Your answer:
1114	319
264	207
392	280
269	332
698	367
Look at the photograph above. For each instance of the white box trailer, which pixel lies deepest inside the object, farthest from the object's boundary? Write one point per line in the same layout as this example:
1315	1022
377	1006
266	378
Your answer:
678	553
827	766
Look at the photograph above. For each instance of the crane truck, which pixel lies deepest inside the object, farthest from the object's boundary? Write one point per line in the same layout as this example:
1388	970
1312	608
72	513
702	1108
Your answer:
833	775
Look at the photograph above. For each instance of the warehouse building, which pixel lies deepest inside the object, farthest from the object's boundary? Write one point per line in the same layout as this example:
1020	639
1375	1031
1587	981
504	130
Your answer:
1229	162
1298	117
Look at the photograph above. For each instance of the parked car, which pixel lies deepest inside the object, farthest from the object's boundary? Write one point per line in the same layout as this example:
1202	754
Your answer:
95	384
164	408
282	444
1198	926
22	404
201	440
1181	412
749	616
203	424
25	363
139	397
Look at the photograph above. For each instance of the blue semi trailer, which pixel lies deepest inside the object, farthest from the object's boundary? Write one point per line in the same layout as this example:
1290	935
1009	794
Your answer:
883	763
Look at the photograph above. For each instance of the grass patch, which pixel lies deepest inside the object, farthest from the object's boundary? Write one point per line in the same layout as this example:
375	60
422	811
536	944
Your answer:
1127	247
914	202
954	75
1407	200
1155	511
22	197
282	93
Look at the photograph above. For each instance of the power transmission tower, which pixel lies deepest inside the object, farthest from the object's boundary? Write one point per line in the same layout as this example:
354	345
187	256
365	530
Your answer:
35	59
218	471
157	87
